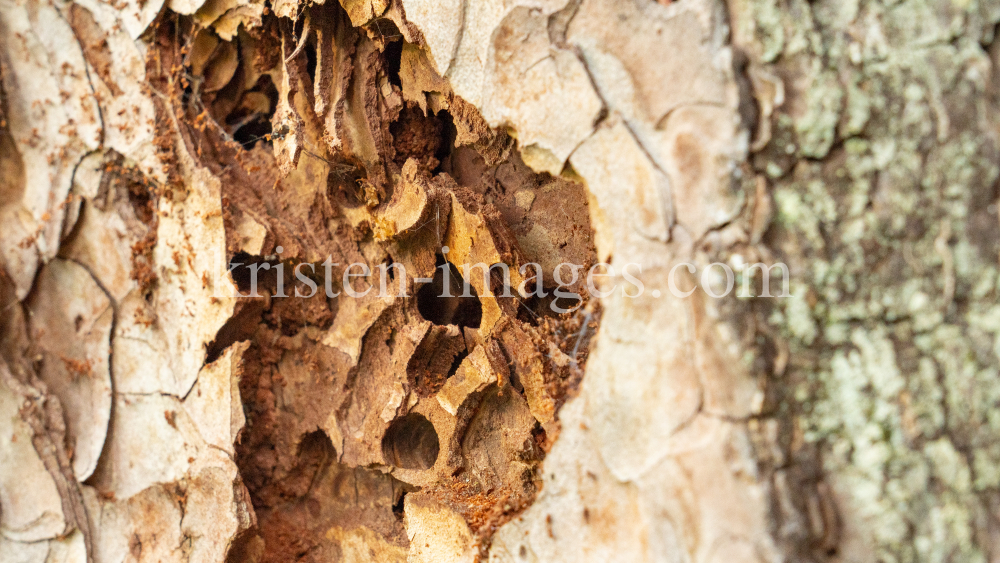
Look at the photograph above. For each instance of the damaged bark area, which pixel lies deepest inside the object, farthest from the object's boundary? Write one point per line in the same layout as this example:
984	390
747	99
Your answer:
410	419
158	415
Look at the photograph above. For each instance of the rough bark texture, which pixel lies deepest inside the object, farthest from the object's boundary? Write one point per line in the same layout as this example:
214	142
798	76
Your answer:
155	156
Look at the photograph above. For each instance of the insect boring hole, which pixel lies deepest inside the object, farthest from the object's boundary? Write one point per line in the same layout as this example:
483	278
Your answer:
411	442
250	120
315	449
449	299
344	185
437	357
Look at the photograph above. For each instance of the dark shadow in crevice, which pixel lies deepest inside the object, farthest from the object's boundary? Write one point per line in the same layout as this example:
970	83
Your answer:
457	362
241	326
248	126
311	60
242	267
444	305
393	52
536	307
448	136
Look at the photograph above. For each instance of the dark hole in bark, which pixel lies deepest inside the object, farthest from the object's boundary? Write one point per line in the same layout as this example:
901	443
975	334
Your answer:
397	507
457	362
435	359
448	136
411	443
566	303
393	49
252	131
241	275
315	447
446	306
310	50
267	278
536	307
342	185
247	127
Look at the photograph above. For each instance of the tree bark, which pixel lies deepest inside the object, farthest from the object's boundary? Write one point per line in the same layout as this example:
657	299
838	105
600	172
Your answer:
234	236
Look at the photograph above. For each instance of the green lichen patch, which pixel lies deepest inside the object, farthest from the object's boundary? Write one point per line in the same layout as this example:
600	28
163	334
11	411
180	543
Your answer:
883	166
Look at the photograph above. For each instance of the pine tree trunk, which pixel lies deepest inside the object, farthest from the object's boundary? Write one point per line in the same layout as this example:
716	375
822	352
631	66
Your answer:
234	236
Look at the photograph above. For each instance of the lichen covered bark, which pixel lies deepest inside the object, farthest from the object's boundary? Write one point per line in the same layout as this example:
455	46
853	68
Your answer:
881	158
